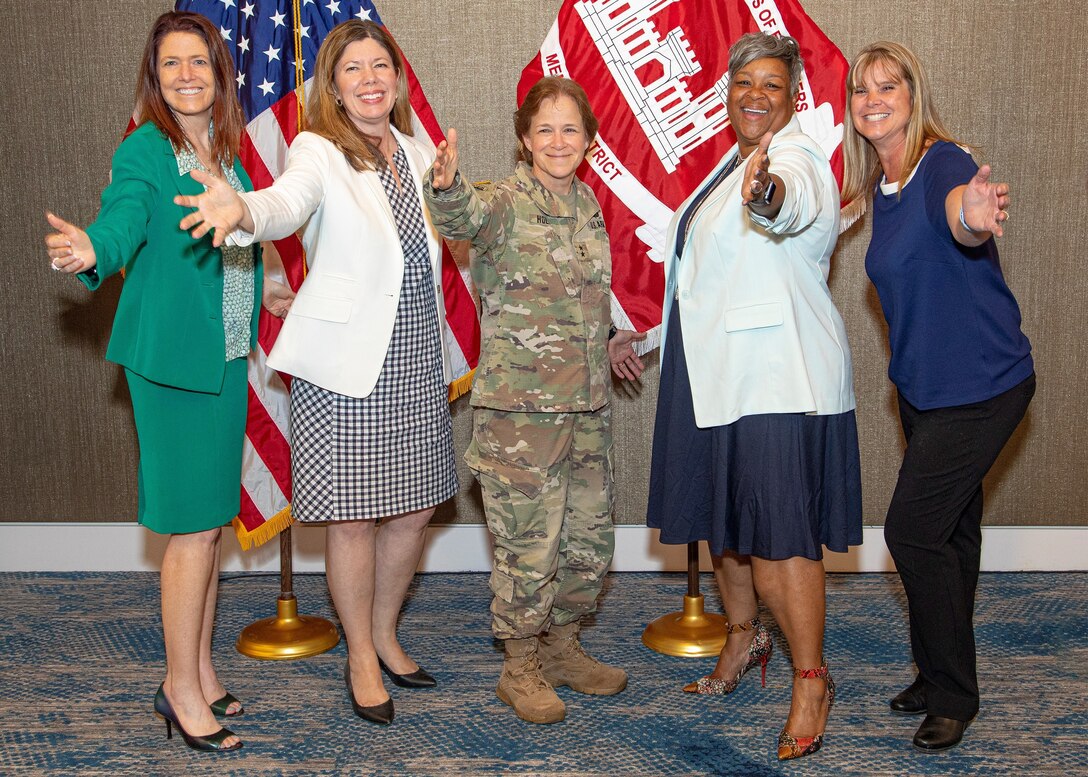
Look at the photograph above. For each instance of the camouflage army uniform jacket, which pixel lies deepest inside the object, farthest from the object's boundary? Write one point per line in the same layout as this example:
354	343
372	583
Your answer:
544	277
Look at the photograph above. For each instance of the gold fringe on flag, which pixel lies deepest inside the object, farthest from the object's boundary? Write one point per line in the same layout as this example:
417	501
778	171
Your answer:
462	385
263	533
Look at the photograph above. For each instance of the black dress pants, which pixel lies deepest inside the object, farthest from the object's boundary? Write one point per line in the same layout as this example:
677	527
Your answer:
934	533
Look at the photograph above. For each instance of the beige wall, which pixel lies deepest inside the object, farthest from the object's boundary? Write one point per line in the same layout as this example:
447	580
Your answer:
1010	78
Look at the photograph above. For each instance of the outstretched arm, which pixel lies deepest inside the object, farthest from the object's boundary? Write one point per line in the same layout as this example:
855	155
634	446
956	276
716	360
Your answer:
456	211
69	248
219	208
977	210
444	169
757	177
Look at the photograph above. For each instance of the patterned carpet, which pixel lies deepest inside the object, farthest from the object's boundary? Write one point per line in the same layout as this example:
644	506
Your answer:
81	656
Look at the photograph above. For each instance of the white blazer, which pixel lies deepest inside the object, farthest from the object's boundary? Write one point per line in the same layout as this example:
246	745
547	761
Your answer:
337	332
761	332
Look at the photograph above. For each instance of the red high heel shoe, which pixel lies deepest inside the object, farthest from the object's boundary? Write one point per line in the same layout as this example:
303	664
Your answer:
759	652
790	746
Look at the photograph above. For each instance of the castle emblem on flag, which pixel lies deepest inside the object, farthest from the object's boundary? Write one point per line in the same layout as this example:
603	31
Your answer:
656	75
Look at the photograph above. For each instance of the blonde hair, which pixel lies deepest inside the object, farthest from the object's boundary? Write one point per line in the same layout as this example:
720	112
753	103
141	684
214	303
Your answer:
327	118
860	161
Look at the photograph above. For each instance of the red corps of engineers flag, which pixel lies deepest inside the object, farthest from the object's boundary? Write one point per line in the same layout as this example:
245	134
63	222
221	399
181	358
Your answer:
655	73
268	41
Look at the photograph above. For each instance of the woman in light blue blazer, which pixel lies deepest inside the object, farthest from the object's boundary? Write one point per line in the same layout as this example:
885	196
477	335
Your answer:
185	322
755	443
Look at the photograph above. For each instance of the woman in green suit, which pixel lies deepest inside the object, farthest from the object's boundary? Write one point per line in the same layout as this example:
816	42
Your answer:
185	322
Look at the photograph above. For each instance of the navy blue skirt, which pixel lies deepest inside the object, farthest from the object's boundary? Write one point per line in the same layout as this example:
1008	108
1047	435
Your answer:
772	486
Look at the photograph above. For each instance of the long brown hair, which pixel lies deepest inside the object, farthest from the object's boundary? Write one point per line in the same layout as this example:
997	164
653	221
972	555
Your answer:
552	88
329	120
226	112
860	161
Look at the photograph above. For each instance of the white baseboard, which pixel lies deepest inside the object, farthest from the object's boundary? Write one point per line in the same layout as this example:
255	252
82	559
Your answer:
121	547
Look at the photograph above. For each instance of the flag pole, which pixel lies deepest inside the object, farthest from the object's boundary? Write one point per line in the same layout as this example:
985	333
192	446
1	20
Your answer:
289	635
693	632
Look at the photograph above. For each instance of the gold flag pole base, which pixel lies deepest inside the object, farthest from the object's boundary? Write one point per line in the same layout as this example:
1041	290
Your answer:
693	633
288	635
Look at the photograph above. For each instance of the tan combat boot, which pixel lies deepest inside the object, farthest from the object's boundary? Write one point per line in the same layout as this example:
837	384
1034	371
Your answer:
563	662
524	688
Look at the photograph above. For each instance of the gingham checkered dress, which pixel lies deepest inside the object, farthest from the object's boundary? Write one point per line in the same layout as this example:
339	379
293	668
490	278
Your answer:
390	452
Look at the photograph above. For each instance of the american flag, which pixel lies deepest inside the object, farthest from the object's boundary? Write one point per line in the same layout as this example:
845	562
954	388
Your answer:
272	46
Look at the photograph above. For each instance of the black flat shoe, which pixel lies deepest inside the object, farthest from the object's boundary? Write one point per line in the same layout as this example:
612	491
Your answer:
911	701
382	714
937	734
417	679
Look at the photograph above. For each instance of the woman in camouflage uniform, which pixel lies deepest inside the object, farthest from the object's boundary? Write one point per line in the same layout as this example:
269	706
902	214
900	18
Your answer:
542	439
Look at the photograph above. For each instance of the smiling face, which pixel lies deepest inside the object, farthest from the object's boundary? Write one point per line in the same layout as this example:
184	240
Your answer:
558	143
186	78
366	82
759	101
880	107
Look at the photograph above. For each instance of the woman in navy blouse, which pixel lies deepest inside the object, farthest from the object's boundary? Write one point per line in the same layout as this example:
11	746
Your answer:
960	364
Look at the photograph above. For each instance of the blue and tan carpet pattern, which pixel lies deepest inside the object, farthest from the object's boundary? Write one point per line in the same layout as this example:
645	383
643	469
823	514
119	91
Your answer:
81	656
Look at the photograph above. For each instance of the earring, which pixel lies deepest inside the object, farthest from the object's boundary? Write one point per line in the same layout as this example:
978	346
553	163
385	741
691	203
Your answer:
339	102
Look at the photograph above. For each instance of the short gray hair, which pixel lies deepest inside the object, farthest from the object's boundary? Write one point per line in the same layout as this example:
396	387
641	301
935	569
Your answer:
760	45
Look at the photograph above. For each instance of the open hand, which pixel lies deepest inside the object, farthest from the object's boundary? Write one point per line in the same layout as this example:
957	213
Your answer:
756	176
69	248
985	203
621	353
444	169
219	208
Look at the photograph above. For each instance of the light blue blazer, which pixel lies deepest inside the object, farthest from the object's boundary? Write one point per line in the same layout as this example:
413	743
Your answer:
761	332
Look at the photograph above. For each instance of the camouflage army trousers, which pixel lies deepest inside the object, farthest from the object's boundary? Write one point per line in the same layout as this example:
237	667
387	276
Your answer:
546	480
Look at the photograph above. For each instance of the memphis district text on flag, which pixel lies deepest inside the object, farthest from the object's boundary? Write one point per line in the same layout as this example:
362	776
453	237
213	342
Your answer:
655	73
272	46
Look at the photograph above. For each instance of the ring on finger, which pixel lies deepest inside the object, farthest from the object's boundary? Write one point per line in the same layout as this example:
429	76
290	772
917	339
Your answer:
756	187
54	266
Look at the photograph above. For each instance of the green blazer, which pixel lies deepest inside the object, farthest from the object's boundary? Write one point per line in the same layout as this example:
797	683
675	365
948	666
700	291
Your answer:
169	322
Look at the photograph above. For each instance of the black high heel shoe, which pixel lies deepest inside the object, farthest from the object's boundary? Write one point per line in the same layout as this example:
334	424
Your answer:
208	744
417	679
220	707
382	714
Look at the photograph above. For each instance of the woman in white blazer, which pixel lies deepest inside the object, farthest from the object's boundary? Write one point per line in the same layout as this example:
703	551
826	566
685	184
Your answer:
372	446
755	442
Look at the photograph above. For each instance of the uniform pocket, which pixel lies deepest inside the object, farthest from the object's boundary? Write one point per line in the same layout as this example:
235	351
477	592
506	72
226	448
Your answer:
522	478
502	585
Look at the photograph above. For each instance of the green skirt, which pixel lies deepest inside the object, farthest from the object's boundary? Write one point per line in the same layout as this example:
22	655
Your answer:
190	452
